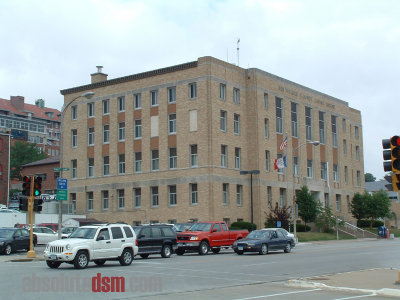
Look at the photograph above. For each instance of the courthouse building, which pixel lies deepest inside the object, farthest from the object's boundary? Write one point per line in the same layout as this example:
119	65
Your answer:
169	145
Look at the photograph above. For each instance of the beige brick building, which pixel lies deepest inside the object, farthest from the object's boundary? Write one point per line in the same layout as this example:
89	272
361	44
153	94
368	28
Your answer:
168	145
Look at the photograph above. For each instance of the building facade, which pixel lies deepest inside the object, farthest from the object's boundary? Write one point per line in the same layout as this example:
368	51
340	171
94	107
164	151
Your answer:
169	145
5	140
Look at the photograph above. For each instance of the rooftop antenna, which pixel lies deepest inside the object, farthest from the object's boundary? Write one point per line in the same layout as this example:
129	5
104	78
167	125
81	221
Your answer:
238	41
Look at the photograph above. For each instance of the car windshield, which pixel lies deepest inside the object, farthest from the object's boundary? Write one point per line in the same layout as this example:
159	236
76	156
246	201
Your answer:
6	233
84	233
258	234
67	229
181	227
136	229
200	227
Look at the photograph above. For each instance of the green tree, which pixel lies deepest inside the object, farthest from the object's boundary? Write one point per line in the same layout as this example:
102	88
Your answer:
378	206
278	214
326	221
359	206
23	153
308	207
369	177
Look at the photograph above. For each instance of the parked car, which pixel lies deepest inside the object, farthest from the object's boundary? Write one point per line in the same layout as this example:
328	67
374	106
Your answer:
286	233
67	231
13	239
203	236
52	226
2	206
181	227
44	234
263	241
97	243
10	211
13	204
155	239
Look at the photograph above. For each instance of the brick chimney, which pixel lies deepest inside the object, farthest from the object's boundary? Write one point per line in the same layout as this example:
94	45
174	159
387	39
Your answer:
18	102
99	76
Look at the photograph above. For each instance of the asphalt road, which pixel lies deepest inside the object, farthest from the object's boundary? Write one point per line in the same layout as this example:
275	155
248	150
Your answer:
214	276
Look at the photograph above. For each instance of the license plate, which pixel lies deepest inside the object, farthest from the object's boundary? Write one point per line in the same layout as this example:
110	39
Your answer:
240	248
180	244
53	256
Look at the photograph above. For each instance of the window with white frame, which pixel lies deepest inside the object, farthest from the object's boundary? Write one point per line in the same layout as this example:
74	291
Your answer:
106	107
344	125
323	171
335	173
346	175
310	173
171	92
308	114
279	114
282	197
222	120
121	104
356	133
193	156
91	136
236	96
236	124
137	194
334	131
239	191
90	167
293	113
121	131
345	147
89	200
74	112
74	134
172	123
154	196
154	160
224	156
267	161
222	91
269	196
193	194
338	202
138	101
192	90
121	199
266	128
237	158
358	178
74	168
295	166
104	195
73	201
90	109
138	129
106	165
280	170
172	195
172	158
265	100
358	153
138	162
154	98
225	193
321	116
121	164
106	134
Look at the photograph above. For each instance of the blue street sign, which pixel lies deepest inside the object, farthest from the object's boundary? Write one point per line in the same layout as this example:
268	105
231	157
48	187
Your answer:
278	224
62	183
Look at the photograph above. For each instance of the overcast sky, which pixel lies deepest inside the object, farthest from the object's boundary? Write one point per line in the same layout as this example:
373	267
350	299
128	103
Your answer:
349	49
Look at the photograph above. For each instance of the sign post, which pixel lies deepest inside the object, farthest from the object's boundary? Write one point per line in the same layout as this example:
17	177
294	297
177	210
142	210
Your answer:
62	195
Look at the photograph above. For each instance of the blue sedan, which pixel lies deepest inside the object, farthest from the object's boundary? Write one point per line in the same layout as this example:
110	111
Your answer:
263	241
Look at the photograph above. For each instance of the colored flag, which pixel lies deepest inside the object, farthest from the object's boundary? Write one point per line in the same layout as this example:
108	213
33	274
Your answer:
276	164
284	143
280	163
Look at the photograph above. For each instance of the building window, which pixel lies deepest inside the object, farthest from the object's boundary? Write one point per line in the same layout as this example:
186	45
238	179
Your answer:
121	131
172	158
74	112
223	120
239	189
154	160
348	204
358	178
280	170
121	164
323	170
356	133
266	128
106	165
344	147
91	136
236	124
310	172
193	193
171	94
321	127
346	175
154	196
105	199
106	107
279	115
236	96
138	101
224	156
335	173
237	158
138	162
138	129
344	125
172	195
338	202
90	109
193	156
265	100
138	197
89	200
74	166
106	134
90	167
74	133
267	161
225	193
293	108
121	199
269	196
192	90
73	201
121	104
334	131
308	113
295	166
172	124
154	98
282	197
358	153
222	91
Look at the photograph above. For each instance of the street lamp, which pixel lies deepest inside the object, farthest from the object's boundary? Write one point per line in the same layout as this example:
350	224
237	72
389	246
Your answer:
251	191
87	95
315	143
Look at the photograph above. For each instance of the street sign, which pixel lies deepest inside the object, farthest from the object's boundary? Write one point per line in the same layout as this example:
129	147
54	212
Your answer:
62	183
62	195
56	169
64	169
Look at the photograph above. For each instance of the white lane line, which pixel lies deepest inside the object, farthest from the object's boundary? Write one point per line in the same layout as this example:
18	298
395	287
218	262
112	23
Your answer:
268	263
354	297
280	294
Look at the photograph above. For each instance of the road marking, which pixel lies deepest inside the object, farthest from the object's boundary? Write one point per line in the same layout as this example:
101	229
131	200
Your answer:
280	294
268	263
354	297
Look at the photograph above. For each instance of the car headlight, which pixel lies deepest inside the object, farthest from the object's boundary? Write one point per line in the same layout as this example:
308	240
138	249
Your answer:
193	238
68	247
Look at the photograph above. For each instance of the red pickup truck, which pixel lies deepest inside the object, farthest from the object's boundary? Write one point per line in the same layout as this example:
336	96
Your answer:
204	236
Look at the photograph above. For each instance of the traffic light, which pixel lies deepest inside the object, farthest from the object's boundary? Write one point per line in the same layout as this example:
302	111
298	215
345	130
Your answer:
26	186
37	204
23	203
37	188
393	154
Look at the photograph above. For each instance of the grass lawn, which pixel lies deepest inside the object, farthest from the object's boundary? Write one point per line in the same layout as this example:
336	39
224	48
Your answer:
320	236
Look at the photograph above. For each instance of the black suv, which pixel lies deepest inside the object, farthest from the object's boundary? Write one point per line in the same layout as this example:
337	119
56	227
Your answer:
155	239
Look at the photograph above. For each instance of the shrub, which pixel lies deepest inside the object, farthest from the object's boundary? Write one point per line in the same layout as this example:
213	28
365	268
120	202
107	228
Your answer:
366	223
243	225
300	228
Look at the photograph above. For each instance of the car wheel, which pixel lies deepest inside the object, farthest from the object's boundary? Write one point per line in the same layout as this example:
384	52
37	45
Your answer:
180	251
126	258
215	250
239	252
288	248
8	250
81	260
166	251
100	262
144	255
264	249
53	264
203	249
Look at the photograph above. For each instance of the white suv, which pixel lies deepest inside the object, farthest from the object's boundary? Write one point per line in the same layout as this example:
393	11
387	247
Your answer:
97	243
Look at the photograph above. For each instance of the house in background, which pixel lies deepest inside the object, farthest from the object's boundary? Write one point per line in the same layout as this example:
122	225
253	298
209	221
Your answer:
5	140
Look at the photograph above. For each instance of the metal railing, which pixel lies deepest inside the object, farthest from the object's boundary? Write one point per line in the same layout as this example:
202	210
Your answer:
355	231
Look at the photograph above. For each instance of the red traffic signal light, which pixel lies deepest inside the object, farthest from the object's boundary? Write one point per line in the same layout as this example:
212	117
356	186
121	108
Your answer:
26	186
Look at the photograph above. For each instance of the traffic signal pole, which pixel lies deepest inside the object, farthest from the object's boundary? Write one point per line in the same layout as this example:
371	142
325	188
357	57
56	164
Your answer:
31	199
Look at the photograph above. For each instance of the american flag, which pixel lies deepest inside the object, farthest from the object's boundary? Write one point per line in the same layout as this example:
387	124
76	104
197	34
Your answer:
284	143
